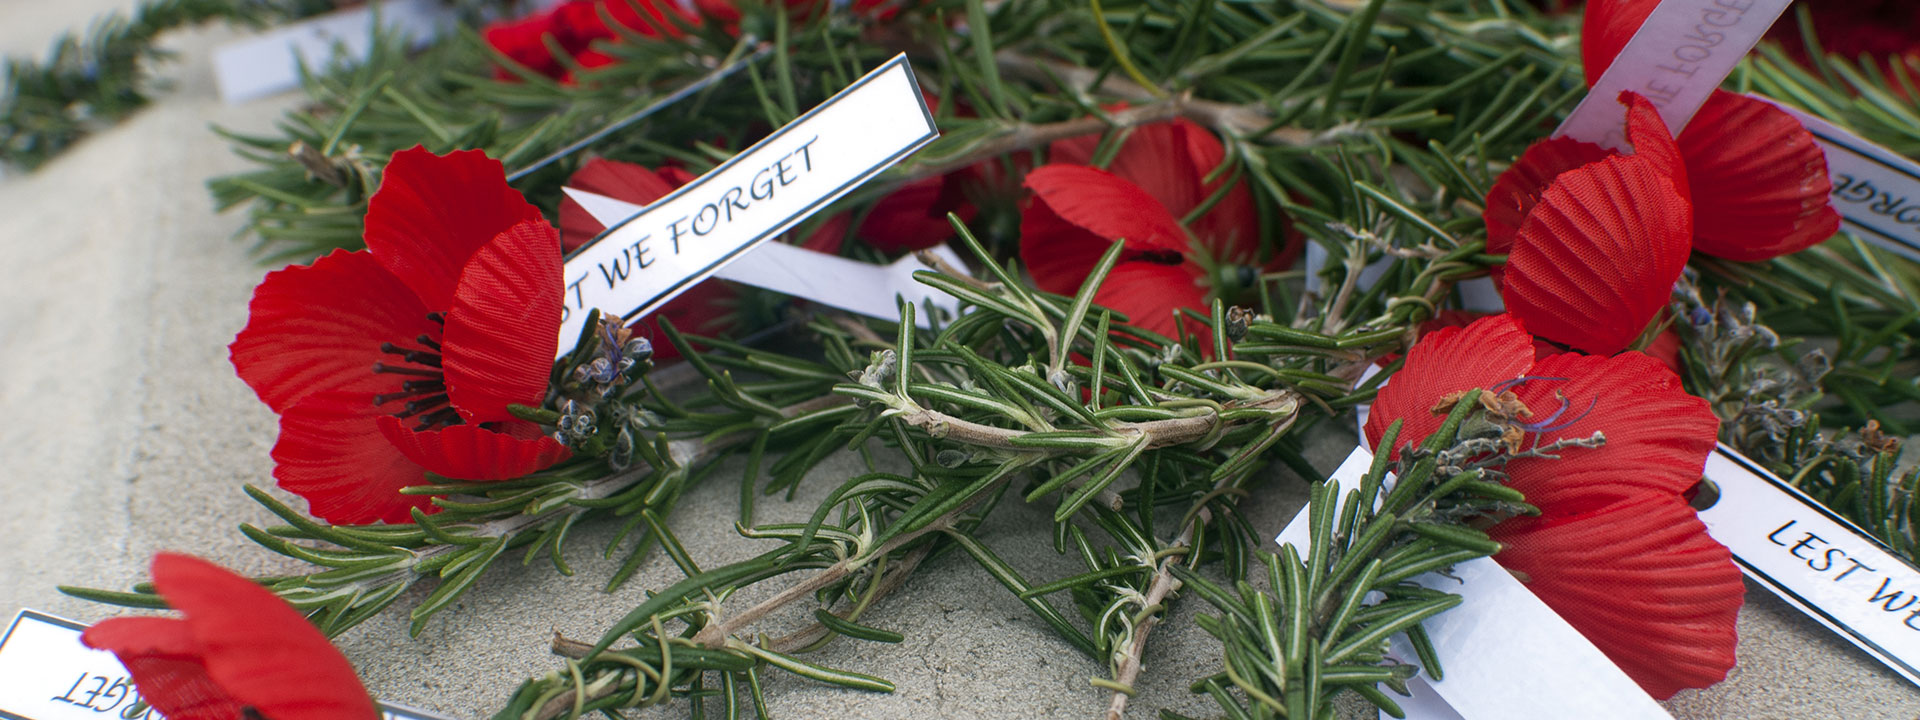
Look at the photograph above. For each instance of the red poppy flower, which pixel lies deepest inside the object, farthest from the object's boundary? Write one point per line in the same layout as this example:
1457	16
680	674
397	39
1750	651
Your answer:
709	308
1757	179
401	359
1616	551
574	26
1596	239
1158	177
239	648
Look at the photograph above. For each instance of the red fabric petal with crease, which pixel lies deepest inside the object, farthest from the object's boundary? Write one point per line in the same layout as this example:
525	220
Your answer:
1165	160
331	452
432	213
1657	436
1606	28
1760	181
503	330
1488	352
618	180
1077	213
257	647
1170	161
471	452
1642	580
1516	191
317	328
1652	142
1599	254
165	664
1149	293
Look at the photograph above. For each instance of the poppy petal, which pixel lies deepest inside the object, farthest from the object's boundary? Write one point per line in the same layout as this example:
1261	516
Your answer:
915	216
1760	181
257	647
471	452
624	181
1657	436
504	328
1653	142
1149	294
1605	29
1598	256
1642	580
1166	160
1078	212
165	663
433	212
331	452
710	308
1485	353
1518	189
316	328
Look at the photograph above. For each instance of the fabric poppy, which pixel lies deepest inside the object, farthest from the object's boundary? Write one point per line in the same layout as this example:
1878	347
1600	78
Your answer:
239	649
710	308
1596	239
1615	551
401	359
574	26
1158	176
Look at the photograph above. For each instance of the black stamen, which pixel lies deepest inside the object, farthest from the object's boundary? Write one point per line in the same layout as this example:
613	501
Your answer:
427	341
380	367
385	398
427	402
437	317
424	386
443	416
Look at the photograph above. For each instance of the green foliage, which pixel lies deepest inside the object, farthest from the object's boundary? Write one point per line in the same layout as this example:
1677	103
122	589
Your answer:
101	77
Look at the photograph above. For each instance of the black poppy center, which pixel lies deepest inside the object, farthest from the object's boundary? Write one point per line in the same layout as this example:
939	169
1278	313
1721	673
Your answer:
422	385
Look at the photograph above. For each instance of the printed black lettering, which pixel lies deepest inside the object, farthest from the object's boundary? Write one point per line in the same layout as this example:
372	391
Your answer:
760	186
1706	38
1856	566
1691	53
1828	559
711	224
1714	18
675	227
731	201
1686	70
780	169
805	156
1806	542
619	272
639	250
1887	600
1783	528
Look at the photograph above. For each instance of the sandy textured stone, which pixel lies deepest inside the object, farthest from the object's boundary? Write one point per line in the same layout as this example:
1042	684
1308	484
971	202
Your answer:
127	433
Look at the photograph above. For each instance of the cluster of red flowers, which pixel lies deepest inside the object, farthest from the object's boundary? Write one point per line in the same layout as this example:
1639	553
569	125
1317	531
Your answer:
1595	239
1616	550
575	26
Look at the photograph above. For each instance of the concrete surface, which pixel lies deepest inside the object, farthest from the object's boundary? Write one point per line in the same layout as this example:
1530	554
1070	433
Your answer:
127	433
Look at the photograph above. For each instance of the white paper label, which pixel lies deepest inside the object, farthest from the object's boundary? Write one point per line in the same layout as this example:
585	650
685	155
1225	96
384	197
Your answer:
1501	629
264	65
1817	561
1876	190
850	285
688	235
1676	59
46	674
